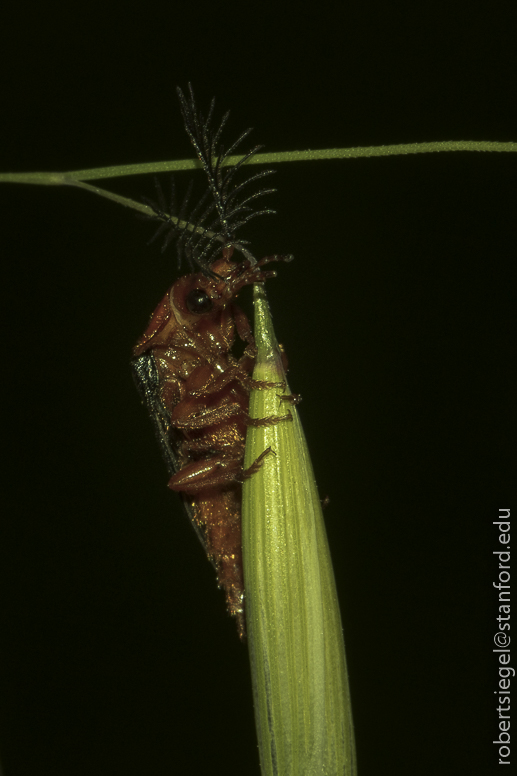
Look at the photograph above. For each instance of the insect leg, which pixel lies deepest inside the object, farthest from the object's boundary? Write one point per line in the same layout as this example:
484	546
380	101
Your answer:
291	398
192	418
210	473
233	372
271	420
257	463
198	476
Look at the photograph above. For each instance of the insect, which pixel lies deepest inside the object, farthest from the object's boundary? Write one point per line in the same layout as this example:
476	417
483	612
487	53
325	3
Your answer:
196	391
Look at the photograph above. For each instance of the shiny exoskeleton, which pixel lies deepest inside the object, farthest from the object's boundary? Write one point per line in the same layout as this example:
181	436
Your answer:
197	393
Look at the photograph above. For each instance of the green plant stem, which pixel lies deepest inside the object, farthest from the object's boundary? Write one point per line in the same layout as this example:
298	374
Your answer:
96	173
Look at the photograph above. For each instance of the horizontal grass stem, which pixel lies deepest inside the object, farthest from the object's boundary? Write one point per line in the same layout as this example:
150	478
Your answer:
118	171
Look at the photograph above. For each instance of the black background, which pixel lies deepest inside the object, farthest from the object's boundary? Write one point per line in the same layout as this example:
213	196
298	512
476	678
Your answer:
398	319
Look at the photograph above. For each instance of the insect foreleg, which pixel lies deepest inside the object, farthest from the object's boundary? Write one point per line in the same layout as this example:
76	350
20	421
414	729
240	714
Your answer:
204	381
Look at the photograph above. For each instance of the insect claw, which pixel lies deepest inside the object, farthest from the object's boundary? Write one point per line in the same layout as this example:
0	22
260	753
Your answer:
257	463
292	398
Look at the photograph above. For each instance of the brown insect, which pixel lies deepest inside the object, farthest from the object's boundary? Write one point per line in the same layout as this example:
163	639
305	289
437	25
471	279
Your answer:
197	393
195	389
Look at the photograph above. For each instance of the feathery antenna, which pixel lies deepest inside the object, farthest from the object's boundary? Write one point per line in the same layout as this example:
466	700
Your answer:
225	207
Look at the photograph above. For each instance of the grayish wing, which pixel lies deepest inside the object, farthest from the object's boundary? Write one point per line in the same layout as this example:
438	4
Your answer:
147	381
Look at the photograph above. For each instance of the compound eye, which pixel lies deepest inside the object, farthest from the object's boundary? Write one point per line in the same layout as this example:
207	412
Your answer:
198	301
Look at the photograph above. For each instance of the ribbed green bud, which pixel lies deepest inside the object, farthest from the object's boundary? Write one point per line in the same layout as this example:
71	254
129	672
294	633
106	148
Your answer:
300	684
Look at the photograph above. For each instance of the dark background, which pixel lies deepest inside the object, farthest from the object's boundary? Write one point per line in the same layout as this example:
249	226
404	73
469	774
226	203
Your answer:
397	316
